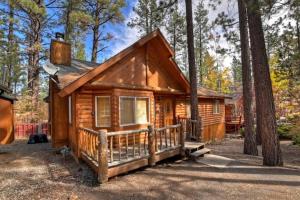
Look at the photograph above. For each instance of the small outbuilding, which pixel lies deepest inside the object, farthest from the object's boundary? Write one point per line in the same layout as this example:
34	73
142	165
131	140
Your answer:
6	116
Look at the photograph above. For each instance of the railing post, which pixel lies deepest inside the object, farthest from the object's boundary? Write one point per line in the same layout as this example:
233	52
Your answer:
102	157
151	145
200	129
182	140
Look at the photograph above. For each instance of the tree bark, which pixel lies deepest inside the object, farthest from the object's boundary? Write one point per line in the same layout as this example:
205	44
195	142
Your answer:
10	38
250	140
96	33
192	66
263	87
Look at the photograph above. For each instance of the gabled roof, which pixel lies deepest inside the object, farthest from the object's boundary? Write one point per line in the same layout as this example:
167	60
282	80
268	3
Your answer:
74	80
206	92
70	78
6	93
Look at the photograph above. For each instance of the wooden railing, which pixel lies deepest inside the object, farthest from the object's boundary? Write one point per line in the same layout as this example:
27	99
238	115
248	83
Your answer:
88	143
190	127
124	146
167	137
113	153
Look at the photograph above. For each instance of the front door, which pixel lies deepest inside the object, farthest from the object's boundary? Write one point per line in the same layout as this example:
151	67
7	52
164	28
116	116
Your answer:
168	111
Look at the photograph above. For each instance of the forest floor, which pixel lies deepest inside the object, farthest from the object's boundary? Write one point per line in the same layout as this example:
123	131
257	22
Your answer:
39	172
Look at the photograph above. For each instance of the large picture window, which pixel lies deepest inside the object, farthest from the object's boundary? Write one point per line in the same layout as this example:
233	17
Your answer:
102	110
134	110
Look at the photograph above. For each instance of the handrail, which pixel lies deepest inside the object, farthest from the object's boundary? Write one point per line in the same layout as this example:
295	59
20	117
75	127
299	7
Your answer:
167	127
88	130
126	132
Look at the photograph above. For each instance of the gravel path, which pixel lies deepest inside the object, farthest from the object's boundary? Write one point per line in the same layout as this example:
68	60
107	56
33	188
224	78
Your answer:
38	172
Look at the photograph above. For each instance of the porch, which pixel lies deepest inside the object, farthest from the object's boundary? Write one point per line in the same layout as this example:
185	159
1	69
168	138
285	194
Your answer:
112	153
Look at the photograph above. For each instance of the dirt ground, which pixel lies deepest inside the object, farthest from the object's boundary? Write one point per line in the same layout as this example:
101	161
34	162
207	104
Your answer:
39	172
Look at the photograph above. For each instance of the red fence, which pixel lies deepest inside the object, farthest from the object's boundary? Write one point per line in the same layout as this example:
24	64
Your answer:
26	129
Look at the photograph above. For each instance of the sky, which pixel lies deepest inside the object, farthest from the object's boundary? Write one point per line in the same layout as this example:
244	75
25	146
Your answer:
124	36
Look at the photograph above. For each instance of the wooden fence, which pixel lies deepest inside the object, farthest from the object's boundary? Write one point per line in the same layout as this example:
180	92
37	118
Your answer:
114	153
24	130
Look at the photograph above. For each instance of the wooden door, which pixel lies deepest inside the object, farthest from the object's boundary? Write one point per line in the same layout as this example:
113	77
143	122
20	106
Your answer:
168	111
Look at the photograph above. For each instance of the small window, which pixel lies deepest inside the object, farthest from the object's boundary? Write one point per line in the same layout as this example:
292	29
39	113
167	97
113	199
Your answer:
134	110
142	110
70	109
216	107
127	110
102	110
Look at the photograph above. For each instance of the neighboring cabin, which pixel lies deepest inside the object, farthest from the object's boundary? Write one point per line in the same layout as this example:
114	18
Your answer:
6	116
139	86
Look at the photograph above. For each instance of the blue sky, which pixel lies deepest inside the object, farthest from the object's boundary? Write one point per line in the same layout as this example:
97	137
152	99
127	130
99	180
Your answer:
123	35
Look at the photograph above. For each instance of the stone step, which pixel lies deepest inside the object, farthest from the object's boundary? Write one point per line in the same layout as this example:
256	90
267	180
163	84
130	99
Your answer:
200	152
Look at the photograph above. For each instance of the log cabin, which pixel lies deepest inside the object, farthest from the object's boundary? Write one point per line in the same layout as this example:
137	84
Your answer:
6	116
139	86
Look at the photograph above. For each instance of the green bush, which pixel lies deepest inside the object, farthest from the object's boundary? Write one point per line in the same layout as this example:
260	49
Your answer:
284	131
295	132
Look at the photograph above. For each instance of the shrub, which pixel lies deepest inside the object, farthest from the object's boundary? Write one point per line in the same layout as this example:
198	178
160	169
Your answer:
295	132
284	131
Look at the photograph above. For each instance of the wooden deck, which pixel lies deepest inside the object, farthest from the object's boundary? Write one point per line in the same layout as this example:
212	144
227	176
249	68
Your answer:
113	153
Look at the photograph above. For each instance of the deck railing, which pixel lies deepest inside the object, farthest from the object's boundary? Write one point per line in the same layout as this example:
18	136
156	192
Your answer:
190	127
113	153
88	143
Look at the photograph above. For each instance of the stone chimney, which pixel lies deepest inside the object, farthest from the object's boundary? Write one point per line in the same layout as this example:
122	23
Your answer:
60	51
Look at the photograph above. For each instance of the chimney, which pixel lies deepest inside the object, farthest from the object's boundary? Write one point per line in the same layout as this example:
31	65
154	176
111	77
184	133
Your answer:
60	51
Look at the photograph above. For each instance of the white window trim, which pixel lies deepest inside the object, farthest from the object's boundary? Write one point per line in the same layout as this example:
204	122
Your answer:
218	111
134	97
70	109
96	108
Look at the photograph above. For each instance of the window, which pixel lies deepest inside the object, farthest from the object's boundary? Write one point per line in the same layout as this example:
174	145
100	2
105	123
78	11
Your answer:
102	110
134	110
216	107
70	109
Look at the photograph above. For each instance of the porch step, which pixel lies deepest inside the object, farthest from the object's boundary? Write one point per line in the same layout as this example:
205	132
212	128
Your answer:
191	147
199	153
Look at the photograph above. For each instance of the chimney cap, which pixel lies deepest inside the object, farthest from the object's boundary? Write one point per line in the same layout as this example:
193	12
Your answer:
59	36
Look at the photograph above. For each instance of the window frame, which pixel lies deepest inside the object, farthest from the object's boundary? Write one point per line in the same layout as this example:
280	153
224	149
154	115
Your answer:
216	107
96	113
134	109
70	110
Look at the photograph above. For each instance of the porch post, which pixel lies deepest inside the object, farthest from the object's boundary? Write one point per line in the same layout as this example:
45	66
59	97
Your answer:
200	129
182	140
151	145
102	157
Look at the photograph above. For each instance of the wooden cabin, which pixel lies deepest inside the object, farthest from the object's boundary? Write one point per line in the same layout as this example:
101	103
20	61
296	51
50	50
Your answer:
139	86
6	116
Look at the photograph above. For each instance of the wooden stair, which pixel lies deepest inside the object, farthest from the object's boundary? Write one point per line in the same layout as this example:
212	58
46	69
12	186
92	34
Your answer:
195	149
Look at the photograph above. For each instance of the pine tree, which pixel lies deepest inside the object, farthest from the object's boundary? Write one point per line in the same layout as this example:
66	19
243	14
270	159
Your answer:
192	66
102	12
149	16
177	34
75	21
202	32
250	139
263	87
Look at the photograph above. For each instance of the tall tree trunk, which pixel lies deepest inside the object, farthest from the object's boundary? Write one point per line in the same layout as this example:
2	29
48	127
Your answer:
258	124
263	87
192	66
96	34
10	48
250	140
68	25
34	55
